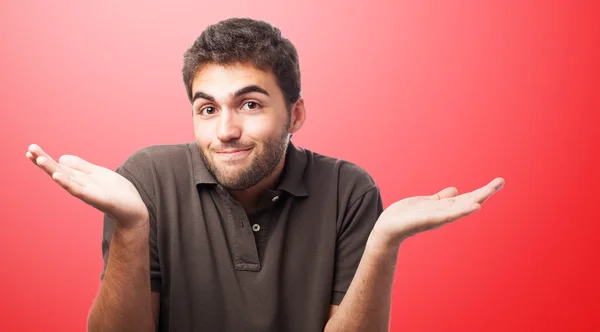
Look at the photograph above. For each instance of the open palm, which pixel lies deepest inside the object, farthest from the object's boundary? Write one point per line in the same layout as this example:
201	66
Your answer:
97	186
413	215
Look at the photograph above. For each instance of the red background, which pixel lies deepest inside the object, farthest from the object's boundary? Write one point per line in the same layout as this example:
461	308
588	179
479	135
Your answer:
423	94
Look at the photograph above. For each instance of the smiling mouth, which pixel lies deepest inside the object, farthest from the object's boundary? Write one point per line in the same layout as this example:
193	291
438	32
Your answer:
232	151
233	155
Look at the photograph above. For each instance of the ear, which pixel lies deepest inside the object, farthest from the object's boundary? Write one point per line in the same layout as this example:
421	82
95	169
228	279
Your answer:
298	116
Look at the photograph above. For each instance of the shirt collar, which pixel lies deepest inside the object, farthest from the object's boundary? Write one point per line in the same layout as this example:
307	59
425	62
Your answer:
201	173
292	177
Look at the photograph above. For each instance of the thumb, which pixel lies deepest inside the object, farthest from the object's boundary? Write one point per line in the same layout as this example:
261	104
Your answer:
445	193
77	163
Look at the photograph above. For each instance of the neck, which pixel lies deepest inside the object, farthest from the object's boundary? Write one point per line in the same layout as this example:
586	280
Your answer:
249	197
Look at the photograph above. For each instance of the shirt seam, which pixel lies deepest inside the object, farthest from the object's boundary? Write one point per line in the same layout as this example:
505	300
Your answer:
361	197
143	189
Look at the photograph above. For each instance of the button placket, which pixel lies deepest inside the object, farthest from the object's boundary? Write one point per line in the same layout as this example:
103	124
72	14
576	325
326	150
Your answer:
243	242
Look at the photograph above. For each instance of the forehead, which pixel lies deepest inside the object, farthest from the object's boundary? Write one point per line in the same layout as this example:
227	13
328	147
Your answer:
216	79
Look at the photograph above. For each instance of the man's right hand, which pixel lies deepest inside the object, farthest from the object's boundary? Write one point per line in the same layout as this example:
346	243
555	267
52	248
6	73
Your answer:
97	186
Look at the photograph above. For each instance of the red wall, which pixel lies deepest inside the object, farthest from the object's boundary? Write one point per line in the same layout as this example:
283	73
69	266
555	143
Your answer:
423	94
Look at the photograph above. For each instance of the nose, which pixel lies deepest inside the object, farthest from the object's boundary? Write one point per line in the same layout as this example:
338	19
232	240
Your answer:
228	127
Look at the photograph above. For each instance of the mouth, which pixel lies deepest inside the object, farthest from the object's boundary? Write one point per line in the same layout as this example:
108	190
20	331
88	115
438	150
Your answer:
233	154
232	151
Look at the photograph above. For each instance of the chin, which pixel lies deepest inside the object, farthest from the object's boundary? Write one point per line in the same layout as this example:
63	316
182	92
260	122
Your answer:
234	183
231	168
229	175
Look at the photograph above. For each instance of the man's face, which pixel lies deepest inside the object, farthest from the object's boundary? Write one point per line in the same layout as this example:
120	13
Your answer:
241	123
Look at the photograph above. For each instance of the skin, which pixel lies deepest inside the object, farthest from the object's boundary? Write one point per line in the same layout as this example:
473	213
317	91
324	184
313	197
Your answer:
124	301
242	138
241	109
366	305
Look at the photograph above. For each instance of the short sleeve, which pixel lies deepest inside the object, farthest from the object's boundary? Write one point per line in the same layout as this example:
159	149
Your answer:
357	223
135	175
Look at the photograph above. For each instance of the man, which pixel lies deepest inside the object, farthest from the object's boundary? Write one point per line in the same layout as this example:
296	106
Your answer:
241	230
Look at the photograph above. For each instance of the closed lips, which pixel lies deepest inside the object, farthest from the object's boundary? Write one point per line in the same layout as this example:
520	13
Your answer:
232	151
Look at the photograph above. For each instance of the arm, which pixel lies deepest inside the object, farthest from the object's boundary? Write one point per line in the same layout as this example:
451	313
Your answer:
366	305
125	302
135	266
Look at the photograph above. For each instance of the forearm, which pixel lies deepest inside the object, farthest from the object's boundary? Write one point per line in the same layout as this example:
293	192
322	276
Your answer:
366	305
124	300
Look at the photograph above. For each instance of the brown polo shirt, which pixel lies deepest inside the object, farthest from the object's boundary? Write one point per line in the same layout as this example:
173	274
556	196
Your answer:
277	269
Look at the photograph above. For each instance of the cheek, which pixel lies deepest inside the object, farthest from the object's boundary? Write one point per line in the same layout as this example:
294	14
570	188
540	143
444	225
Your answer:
203	132
262	128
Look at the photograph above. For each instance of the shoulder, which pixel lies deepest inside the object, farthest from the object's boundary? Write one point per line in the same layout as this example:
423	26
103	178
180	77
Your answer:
348	187
351	179
156	157
151	165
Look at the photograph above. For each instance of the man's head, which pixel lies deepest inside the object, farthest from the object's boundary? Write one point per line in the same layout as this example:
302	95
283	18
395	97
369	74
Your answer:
243	80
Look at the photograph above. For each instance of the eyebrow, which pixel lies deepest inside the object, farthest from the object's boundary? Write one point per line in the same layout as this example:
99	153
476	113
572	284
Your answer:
242	91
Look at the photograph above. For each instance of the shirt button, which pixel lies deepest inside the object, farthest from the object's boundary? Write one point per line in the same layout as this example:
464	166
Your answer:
274	199
256	227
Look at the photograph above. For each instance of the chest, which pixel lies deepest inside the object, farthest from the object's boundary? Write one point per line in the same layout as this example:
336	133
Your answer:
273	264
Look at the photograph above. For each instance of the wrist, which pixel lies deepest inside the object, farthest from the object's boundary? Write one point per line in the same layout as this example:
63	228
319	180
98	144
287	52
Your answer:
130	222
381	244
385	238
131	228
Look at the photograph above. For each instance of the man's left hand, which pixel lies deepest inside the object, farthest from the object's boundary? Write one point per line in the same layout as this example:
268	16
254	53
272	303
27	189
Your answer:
417	214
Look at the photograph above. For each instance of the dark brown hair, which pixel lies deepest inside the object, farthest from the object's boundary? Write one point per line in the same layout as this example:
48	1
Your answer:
239	40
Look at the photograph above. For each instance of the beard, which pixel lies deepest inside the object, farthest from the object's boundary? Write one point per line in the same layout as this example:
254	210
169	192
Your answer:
267	155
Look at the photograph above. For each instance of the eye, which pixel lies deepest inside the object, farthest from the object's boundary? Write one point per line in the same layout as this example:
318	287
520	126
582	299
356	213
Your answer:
251	106
209	110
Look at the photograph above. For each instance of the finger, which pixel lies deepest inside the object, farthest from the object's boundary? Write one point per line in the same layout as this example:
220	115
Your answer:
68	184
441	216
444	193
84	191
452	213
39	157
76	176
495	185
50	166
463	211
30	157
482	194
47	164
77	163
36	151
